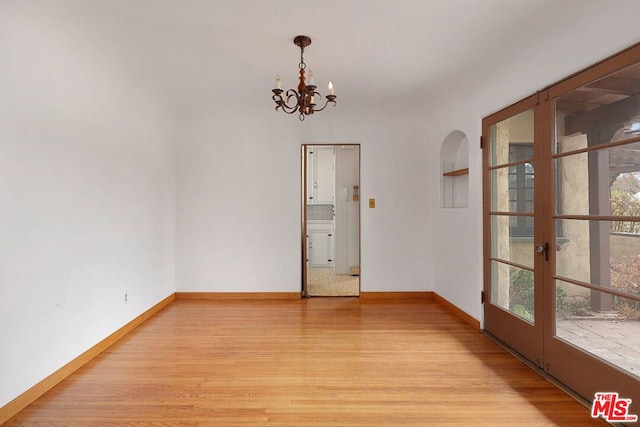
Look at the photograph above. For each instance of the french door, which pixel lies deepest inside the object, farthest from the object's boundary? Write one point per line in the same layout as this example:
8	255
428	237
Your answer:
512	204
562	229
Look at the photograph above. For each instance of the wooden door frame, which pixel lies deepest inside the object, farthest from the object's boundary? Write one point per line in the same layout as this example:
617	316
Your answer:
523	337
303	208
561	355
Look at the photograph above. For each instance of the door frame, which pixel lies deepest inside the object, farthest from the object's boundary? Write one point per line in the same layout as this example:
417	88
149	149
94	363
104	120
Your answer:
303	210
562	356
575	369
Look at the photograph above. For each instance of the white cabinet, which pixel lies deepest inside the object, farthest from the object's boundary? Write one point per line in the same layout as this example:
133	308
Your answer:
321	185
320	242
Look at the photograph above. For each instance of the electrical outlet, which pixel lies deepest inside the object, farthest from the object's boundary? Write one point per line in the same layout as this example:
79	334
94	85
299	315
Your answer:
126	297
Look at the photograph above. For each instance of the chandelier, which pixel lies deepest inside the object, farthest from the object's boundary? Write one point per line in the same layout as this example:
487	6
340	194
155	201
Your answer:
302	100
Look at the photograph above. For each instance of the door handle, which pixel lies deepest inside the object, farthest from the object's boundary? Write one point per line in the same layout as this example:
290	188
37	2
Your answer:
543	249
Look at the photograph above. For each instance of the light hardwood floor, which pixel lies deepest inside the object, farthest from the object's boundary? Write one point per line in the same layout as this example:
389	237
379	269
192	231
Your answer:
319	362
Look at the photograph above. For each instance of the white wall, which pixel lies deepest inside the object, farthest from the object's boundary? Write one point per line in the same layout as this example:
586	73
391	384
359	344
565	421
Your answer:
239	195
563	47
88	183
87	205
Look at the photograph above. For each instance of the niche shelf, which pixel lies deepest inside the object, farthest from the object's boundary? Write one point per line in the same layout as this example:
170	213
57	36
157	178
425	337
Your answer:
454	163
457	172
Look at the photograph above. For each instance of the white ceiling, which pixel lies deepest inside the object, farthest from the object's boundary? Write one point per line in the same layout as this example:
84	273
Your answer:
195	51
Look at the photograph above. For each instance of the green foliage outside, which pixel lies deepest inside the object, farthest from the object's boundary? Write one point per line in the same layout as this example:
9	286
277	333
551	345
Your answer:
521	294
625	274
625	277
625	202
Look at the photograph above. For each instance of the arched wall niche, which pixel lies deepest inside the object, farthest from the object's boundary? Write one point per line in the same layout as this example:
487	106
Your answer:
454	171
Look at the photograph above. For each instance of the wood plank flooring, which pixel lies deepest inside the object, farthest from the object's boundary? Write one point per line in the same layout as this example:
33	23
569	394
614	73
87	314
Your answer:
319	362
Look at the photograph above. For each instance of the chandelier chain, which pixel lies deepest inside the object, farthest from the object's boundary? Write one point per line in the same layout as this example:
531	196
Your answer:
302	65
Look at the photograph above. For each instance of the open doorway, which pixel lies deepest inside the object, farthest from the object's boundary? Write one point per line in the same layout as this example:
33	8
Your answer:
331	220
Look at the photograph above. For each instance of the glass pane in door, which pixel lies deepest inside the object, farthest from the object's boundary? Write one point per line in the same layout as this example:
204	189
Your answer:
509	136
612	335
513	246
512	177
512	288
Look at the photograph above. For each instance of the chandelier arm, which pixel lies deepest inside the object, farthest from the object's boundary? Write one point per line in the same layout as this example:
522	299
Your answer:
281	104
285	104
292	93
291	110
287	109
325	105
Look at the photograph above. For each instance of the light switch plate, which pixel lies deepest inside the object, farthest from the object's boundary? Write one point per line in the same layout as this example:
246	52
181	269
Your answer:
372	203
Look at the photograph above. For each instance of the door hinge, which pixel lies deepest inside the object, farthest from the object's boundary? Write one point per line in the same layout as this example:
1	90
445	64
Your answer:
482	297
542	96
481	142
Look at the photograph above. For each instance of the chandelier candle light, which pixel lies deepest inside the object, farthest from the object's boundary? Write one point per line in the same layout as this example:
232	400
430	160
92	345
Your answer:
302	100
